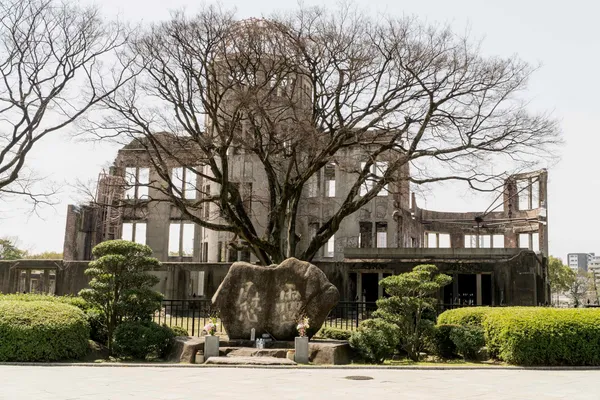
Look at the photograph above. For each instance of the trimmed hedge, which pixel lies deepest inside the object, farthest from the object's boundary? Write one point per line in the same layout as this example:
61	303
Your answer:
42	331
544	336
328	332
72	300
535	335
94	317
464	316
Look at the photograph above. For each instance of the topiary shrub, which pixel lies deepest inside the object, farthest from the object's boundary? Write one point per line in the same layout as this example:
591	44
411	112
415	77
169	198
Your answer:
142	339
328	332
178	330
441	343
544	336
464	316
468	340
121	287
375	340
42	331
411	305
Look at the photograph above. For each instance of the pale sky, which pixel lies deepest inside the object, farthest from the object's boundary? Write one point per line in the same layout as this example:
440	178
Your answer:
560	36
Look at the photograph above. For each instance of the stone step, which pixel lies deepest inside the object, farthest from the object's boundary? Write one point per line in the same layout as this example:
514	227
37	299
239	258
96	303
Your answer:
252	352
271	344
249	361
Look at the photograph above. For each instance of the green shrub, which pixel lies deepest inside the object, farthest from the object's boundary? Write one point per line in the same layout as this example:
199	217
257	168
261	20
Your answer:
464	316
441	343
329	332
375	340
544	336
468	340
42	331
72	300
410	305
121	284
179	331
142	339
98	332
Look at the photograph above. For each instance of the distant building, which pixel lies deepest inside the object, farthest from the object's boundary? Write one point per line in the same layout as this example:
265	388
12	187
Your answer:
594	268
580	261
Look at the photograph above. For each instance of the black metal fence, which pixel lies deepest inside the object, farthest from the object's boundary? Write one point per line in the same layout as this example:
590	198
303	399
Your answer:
192	315
348	314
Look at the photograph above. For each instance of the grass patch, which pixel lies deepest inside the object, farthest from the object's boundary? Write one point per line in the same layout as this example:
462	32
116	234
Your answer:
441	363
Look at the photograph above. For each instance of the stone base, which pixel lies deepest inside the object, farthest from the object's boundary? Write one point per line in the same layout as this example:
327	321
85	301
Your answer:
249	361
334	352
320	352
272	344
252	352
185	348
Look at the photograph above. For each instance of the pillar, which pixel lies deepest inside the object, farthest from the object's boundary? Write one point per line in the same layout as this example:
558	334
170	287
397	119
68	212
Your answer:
478	290
359	286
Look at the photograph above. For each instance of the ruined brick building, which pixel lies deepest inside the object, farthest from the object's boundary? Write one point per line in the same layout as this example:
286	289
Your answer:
495	257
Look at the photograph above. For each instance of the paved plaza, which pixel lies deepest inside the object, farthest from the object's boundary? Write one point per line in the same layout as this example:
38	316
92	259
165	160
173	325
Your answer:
103	383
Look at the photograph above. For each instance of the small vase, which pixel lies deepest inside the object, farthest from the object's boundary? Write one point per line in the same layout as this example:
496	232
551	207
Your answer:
301	348
211	346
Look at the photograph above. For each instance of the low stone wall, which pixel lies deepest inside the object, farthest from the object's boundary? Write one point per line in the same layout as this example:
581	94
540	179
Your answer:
176	278
518	275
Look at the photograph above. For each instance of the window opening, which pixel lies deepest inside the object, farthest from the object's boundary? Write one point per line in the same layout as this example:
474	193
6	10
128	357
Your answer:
134	232
137	180
381	228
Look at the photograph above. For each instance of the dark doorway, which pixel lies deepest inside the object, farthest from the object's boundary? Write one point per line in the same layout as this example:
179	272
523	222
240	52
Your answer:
448	294
486	289
370	286
467	289
352	295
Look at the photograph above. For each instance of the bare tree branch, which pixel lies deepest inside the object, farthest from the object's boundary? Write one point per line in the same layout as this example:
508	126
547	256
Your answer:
54	60
295	93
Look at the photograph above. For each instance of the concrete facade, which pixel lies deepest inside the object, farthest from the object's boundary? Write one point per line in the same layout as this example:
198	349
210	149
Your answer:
141	198
495	258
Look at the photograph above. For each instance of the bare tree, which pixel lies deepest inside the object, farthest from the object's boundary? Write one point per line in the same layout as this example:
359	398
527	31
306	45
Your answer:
55	64
580	286
295	92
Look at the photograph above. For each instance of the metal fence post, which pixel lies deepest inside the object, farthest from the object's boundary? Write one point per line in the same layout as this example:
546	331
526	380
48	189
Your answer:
193	319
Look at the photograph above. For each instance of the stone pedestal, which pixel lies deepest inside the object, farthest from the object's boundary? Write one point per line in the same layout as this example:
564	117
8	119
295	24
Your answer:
301	347
211	346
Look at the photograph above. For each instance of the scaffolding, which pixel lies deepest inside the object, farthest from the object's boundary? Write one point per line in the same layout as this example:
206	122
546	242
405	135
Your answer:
109	220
